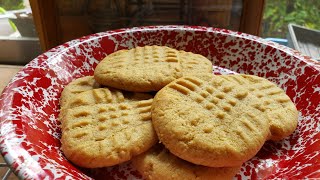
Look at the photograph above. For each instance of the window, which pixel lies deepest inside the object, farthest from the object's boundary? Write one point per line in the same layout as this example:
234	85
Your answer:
295	23
278	14
18	37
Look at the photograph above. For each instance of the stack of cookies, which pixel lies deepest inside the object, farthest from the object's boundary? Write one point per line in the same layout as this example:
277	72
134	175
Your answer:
197	126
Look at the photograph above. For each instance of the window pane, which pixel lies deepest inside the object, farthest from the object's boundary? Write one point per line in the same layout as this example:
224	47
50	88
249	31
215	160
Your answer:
91	16
18	36
278	14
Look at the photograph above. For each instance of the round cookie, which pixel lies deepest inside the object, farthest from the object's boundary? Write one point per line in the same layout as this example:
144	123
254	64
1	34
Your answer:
104	127
73	88
280	110
148	68
211	122
159	163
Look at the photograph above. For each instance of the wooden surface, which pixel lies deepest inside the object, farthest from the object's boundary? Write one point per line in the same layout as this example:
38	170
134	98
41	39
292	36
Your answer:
7	72
55	26
3	171
251	18
46	20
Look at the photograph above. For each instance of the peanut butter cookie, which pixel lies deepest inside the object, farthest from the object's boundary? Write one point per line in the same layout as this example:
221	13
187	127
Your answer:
104	127
149	68
212	122
159	164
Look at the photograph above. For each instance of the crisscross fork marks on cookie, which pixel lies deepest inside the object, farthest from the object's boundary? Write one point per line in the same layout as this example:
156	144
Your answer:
83	82
220	97
112	102
224	124
116	59
144	55
172	56
90	148
274	103
249	122
237	79
97	96
144	109
234	79
104	128
75	87
225	101
105	135
111	115
94	137
272	94
262	89
151	55
149	68
209	96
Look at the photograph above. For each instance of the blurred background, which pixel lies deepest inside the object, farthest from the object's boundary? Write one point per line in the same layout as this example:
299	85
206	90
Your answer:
27	28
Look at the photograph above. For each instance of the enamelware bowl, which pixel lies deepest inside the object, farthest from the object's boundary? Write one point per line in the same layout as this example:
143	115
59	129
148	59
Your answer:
30	132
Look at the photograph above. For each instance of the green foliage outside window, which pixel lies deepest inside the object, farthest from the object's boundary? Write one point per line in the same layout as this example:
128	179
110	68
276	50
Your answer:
13	26
279	13
6	5
11	4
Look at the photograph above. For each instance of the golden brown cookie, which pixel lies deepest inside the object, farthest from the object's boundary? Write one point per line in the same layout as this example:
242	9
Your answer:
104	127
73	88
212	122
159	164
77	86
149	68
280	110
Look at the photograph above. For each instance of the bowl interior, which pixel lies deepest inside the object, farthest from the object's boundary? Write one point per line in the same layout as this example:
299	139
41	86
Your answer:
30	103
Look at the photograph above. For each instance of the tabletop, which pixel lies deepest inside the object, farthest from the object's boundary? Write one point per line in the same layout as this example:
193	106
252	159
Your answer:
6	73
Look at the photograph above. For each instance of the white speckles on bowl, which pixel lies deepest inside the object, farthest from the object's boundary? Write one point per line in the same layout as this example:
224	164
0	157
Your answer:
30	130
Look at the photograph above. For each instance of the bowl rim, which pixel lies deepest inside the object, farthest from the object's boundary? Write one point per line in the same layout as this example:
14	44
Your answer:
55	51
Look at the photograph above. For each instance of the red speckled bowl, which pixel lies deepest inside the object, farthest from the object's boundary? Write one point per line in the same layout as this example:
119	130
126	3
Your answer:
30	130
